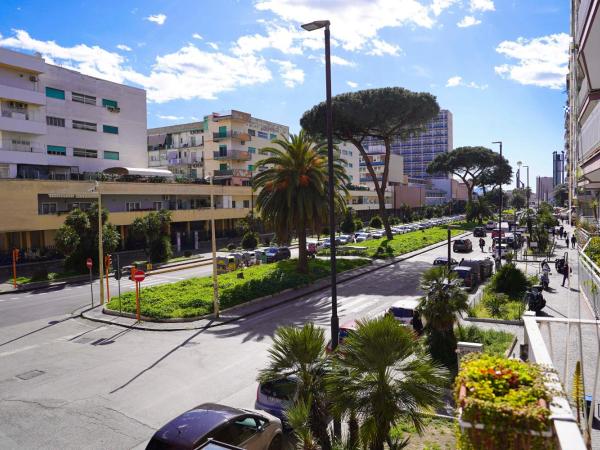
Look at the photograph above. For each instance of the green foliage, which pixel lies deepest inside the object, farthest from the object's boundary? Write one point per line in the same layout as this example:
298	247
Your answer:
593	250
153	232
494	342
348	225
509	280
250	240
519	198
395	220
77	238
292	194
561	194
193	297
577	391
503	395
40	274
231	246
358	224
376	222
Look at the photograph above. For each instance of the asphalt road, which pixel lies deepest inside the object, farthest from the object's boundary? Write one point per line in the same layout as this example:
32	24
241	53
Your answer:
72	384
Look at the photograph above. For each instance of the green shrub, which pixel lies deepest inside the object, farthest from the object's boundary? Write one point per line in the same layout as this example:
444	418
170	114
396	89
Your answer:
250	240
494	342
40	274
376	222
593	250
358	224
510	280
348	226
231	246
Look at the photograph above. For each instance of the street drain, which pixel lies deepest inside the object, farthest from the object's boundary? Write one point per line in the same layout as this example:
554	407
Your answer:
31	374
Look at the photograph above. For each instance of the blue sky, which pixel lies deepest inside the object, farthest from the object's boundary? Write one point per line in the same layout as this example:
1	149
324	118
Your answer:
498	65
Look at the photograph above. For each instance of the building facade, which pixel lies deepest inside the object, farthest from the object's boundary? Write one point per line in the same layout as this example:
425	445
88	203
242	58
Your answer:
543	189
558	168
178	148
58	124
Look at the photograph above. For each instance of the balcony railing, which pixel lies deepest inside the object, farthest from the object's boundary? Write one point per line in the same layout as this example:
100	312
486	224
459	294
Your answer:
241	135
590	132
582	95
27	148
582	14
233	173
238	155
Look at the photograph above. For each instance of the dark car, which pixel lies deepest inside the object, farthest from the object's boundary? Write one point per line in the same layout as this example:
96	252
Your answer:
462	245
467	275
274	254
276	396
251	430
443	261
479	232
482	267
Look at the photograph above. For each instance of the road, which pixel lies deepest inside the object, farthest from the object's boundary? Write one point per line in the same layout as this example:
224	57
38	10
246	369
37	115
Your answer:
72	384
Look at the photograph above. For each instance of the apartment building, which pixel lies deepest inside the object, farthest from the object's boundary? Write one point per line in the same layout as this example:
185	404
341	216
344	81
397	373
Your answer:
583	134
178	148
558	168
58	124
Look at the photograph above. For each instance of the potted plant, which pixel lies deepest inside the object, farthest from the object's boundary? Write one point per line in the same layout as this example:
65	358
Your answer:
503	404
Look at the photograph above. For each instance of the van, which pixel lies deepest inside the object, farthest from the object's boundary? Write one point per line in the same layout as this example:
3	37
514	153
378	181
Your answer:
483	267
469	277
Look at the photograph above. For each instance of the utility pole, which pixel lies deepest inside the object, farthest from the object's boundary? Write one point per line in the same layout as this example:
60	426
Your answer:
500	217
214	251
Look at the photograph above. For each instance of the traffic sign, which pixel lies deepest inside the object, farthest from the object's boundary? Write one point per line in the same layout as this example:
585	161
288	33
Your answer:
139	276
89	263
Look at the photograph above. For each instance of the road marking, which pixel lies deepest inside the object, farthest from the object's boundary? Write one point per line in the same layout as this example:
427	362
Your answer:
22	349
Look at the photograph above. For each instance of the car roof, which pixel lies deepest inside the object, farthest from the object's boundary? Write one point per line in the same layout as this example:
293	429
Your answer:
350	325
406	304
191	426
458	268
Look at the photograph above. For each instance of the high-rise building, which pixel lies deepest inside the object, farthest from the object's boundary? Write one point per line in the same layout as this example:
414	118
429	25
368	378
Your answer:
543	189
57	123
558	168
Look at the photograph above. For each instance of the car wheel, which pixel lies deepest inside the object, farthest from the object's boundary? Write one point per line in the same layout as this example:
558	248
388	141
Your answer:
275	443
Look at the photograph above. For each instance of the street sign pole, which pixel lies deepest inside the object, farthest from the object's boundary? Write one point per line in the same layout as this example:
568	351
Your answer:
119	284
89	265
15	257
107	262
138	277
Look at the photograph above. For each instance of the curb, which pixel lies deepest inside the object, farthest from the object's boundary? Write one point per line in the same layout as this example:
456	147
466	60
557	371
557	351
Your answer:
315	287
518	322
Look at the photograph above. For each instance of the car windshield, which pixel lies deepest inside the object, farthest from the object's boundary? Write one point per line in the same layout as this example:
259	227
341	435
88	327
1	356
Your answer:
281	389
401	312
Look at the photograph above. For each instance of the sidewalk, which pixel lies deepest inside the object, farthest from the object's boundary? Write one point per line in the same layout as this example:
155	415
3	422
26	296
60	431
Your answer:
255	306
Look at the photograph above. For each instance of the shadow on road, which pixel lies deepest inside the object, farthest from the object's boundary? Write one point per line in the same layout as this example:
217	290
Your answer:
50	324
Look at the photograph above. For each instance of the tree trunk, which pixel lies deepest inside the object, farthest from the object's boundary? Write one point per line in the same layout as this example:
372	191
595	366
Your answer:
353	437
302	253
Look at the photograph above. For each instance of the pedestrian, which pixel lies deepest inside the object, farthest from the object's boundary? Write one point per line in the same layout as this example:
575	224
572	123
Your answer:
566	270
567	239
560	232
553	231
573	241
482	244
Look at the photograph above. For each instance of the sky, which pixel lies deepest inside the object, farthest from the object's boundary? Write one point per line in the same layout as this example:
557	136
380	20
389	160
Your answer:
498	65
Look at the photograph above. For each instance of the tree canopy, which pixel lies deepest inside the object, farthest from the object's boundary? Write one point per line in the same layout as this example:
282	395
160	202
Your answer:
383	114
153	228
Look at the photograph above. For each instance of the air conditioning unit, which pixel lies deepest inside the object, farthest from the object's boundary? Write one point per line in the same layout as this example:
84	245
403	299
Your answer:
114	109
33	78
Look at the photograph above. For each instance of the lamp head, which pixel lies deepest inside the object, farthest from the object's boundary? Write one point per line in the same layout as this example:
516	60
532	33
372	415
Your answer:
519	163
312	26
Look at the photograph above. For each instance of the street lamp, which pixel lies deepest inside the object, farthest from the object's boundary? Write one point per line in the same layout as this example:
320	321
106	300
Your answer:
214	250
500	217
335	326
96	189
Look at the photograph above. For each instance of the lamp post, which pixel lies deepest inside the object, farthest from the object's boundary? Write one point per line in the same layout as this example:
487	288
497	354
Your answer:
96	189
500	217
335	326
214	251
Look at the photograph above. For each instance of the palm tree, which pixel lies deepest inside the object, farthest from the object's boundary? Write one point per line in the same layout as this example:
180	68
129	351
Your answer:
293	188
383	375
300	352
439	308
481	208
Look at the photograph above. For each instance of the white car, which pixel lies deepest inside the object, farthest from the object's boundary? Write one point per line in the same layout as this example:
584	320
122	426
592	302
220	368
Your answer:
378	234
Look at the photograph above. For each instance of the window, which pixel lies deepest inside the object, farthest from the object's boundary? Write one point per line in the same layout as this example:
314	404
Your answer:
82	98
223	166
251	132
57	150
110	129
111	155
133	206
85	153
272	136
262	134
223	131
251	150
87	126
4	171
222	150
55	93
48	208
246	203
251	167
109	103
55	121
233	203
157	206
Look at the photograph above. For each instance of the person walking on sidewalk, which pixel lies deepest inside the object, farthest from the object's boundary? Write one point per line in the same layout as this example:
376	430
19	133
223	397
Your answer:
566	269
482	244
560	231
573	241
567	239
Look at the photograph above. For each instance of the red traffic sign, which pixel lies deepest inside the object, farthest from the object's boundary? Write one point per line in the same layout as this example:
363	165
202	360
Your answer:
139	276
89	263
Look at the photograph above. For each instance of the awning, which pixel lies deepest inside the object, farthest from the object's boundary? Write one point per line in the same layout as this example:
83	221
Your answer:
156	140
71	195
141	171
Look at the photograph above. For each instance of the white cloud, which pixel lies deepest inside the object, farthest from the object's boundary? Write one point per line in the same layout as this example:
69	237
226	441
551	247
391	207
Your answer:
197	36
213	45
457	81
168	117
354	24
468	21
482	5
352	84
291	74
188	73
438	6
541	61
158	19
335	60
124	47
287	39
380	48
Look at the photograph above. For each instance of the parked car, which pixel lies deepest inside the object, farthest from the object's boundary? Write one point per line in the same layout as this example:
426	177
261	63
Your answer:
504	250
361	237
345	329
468	276
345	239
275	254
405	312
462	245
479	232
378	234
276	396
491	225
251	430
483	267
443	261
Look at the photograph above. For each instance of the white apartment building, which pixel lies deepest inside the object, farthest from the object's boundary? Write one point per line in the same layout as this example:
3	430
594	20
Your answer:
57	123
350	157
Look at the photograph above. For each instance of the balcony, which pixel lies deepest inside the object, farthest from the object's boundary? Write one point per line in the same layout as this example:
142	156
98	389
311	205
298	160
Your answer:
20	94
241	135
22	121
590	133
582	15
236	155
228	173
8	146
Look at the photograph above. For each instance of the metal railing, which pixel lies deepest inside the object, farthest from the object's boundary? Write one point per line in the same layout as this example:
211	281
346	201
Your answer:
241	135
10	147
590	132
240	155
233	173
